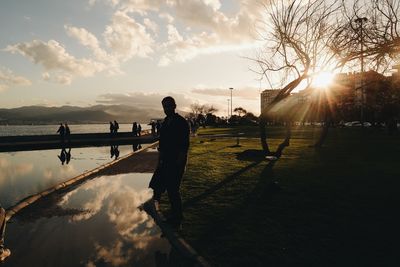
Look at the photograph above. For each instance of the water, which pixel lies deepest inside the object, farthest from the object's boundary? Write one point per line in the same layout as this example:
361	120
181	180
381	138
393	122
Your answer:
13	130
96	224
29	172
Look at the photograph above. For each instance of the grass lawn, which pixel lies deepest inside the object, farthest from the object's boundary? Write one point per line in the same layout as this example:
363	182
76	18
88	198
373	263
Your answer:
336	206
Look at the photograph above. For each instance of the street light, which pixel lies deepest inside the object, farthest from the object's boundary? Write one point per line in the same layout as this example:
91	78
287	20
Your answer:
231	100
228	109
360	21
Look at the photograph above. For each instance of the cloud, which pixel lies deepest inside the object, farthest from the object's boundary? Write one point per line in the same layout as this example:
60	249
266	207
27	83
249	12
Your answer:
128	38
249	93
102	189
9	171
151	25
53	57
90	41
207	29
8	78
194	27
142	100
167	17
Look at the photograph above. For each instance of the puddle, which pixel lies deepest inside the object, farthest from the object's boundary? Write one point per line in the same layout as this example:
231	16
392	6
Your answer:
97	224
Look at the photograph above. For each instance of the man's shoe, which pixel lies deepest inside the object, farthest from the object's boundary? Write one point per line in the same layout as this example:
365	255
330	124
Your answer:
4	253
151	206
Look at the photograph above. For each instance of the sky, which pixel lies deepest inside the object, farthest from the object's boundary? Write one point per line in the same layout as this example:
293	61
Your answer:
88	52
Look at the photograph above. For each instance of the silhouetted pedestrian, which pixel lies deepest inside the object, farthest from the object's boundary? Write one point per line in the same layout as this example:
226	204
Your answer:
67	132
4	252
153	128
139	129
134	129
61	131
111	127
116	127
173	149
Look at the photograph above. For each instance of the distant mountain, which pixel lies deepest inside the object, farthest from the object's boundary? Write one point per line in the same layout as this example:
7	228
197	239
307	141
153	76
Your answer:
73	114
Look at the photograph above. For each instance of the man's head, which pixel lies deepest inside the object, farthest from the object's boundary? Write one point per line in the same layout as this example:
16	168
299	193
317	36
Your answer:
169	105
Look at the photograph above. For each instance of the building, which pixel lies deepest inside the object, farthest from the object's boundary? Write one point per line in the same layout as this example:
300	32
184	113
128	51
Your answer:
352	95
267	96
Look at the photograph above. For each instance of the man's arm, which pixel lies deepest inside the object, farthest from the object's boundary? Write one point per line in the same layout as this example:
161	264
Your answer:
184	142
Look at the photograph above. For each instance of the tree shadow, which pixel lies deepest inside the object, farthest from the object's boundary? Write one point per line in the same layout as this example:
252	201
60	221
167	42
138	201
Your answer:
254	156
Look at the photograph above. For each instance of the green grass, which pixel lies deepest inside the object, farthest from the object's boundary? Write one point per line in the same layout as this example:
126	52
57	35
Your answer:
336	206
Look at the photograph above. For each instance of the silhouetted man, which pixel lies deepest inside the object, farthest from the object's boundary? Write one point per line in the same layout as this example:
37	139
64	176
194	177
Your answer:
135	129
173	148
111	127
116	127
61	131
4	252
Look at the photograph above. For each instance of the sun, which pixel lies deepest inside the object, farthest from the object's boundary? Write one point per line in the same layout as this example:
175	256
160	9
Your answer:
322	79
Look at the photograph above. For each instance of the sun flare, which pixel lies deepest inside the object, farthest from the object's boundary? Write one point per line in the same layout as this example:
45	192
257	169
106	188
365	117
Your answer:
322	79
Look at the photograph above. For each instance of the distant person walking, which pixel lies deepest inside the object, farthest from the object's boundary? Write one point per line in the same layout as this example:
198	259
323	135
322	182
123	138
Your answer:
173	148
135	129
153	128
116	127
67	132
61	131
111	127
139	129
4	252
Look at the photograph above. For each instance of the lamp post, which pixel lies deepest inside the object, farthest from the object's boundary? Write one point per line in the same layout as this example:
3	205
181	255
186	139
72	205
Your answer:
231	100
228	109
360	21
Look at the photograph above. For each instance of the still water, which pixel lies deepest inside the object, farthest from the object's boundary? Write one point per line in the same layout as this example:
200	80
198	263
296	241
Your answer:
29	172
96	224
13	130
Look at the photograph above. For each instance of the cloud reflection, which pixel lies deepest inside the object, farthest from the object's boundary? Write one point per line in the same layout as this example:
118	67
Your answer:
9	171
115	197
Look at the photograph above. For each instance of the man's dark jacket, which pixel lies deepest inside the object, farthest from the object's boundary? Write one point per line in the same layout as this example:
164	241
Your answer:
174	141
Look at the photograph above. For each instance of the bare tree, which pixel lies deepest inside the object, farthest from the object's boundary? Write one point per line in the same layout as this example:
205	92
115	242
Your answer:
307	37
369	30
297	48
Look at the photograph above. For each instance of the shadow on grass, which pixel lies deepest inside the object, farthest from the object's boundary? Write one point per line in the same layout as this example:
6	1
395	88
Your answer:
209	151
254	156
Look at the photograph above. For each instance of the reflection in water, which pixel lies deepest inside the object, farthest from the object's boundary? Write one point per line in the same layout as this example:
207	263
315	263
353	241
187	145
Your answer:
29	172
136	146
68	155
114	151
65	156
111	230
